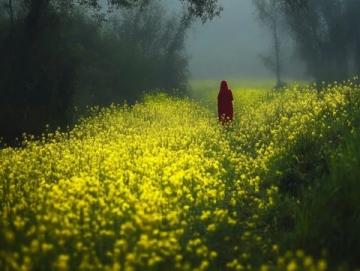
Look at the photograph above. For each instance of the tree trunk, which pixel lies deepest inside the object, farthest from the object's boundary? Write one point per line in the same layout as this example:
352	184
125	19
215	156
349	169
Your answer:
32	21
277	53
11	13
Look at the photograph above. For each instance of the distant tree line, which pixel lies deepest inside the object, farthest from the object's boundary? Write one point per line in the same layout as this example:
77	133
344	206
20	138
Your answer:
326	35
57	54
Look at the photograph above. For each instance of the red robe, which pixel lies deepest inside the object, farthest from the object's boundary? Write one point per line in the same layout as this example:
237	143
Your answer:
225	105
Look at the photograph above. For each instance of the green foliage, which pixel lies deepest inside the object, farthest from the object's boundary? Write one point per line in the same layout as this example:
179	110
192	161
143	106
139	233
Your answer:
65	59
325	33
327	37
329	212
317	207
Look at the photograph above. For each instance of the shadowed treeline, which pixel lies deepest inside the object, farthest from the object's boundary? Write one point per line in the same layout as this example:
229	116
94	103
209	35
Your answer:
326	35
59	54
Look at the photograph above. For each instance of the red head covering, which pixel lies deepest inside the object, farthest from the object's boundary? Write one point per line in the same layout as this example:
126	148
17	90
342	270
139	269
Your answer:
225	92
223	87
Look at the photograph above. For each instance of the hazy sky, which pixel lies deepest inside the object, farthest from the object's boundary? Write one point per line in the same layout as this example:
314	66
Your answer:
229	46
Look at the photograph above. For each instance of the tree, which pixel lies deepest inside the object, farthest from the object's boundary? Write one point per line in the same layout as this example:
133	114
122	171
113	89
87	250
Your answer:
270	14
352	15
59	55
141	49
204	9
323	37
326	34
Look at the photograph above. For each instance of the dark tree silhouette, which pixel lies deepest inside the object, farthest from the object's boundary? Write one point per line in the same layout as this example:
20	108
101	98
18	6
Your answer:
326	36
55	53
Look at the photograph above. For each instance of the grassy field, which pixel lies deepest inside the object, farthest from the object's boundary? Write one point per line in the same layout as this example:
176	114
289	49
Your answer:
163	186
206	91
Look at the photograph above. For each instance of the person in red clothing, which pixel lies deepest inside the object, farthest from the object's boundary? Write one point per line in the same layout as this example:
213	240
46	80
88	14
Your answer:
225	103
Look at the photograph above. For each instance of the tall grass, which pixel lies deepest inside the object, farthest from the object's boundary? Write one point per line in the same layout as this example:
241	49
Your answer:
328	217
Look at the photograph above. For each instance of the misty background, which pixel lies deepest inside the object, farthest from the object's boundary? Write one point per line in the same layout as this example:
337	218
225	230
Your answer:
58	55
229	46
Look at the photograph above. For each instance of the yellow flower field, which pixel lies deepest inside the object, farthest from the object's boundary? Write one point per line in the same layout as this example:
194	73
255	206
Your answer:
162	185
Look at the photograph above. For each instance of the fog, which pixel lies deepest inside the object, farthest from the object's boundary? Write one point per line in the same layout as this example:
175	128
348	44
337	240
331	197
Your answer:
229	46
58	56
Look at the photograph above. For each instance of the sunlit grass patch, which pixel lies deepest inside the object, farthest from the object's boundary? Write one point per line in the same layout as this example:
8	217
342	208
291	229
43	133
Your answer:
246	92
